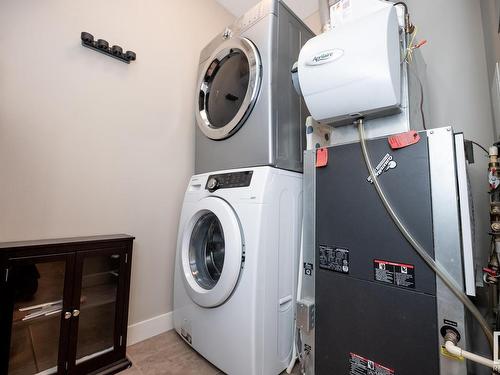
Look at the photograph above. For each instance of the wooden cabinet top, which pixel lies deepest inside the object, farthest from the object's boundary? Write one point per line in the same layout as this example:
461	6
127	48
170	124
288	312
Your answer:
65	242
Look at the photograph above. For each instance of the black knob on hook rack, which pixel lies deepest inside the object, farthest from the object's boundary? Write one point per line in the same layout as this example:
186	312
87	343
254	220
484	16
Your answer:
116	50
87	37
102	44
130	56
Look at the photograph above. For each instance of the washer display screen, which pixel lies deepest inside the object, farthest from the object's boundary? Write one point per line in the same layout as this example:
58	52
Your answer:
206	251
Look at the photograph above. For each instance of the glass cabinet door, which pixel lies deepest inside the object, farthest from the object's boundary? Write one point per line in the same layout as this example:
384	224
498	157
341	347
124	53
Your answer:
37	291
98	319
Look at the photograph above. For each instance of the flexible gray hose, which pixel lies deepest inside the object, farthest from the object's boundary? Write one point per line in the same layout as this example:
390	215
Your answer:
436	267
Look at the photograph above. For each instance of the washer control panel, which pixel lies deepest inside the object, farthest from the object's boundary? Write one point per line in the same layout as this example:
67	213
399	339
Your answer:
228	180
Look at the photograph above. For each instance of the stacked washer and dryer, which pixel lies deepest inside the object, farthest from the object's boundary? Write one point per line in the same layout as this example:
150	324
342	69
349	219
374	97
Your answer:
239	231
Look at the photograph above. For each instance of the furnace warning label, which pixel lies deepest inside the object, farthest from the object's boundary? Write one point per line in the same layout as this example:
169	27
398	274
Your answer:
399	274
362	366
334	258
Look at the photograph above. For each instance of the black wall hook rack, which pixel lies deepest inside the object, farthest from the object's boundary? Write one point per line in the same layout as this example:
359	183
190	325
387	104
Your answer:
102	46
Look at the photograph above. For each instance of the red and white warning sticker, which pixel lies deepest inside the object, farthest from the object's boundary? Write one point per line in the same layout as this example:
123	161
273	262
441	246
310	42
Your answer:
398	274
363	366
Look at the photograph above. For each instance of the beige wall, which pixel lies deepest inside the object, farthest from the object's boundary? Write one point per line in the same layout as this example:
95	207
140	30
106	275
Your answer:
314	22
90	145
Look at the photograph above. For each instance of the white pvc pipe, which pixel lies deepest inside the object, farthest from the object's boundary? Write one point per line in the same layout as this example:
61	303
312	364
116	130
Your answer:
298	297
301	263
291	365
455	350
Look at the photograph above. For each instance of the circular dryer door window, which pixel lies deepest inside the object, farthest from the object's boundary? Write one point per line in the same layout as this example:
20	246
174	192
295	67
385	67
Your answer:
229	87
212	250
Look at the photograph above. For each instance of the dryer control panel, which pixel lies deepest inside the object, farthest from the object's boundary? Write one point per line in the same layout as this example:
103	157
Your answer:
228	180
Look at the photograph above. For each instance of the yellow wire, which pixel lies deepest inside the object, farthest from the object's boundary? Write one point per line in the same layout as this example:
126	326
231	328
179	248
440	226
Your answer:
410	48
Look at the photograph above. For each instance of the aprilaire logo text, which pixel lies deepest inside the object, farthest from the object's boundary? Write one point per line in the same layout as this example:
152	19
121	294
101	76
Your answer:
326	56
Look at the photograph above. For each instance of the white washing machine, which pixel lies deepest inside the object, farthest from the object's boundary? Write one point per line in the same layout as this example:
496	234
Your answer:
247	110
235	269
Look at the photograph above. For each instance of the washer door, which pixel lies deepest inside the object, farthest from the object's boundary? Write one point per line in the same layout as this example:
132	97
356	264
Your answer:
212	251
229	87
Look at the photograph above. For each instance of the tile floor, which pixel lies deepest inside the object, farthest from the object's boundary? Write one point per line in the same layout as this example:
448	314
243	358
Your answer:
168	354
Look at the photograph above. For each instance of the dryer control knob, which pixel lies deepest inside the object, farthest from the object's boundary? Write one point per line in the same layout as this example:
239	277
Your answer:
212	184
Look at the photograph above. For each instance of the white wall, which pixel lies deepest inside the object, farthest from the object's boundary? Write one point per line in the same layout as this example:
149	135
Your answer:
490	10
90	145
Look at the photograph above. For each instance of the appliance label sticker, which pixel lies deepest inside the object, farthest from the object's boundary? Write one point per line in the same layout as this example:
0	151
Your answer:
362	366
334	258
398	274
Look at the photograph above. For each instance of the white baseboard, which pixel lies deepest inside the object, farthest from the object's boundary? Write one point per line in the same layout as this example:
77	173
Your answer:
148	328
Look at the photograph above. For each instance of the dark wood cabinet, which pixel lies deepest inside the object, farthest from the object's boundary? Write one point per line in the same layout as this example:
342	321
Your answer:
64	305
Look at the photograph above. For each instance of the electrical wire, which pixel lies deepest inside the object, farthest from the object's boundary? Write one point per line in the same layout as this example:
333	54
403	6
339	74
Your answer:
296	350
424	124
481	147
409	49
422	103
435	266
403	4
422	112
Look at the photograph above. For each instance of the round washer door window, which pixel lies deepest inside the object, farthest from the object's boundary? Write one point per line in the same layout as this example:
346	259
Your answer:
206	250
229	87
212	250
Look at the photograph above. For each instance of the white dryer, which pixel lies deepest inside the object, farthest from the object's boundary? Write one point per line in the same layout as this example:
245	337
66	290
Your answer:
235	270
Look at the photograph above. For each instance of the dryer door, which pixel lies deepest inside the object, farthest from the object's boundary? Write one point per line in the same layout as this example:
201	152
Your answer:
212	253
228	88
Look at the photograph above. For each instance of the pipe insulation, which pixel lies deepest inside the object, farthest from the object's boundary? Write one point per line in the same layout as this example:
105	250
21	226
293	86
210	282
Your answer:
457	351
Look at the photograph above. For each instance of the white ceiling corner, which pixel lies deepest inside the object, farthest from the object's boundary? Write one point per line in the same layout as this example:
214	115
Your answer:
303	8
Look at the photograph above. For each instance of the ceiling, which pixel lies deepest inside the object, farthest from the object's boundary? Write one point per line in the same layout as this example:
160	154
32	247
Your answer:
303	8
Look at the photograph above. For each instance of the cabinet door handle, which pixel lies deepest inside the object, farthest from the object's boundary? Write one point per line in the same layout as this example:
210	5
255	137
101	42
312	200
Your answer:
67	315
76	313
